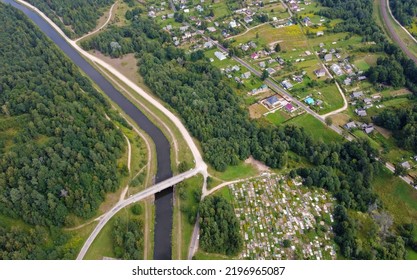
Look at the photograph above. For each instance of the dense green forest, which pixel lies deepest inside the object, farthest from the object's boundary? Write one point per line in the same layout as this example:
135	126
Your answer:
31	244
217	117
403	122
358	19
220	231
405	11
58	153
128	239
74	17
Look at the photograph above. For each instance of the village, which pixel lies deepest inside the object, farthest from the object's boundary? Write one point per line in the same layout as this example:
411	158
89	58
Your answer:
283	220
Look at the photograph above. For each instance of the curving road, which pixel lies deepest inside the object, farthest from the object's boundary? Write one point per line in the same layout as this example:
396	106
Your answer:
386	15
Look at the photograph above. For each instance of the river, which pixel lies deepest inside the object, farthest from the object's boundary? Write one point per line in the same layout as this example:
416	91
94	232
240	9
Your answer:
163	200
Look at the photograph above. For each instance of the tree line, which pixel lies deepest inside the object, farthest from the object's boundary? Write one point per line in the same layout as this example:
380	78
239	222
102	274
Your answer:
405	11
219	227
127	236
60	157
403	122
75	17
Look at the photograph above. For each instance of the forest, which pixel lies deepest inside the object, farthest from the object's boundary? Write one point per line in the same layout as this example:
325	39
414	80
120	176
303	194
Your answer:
219	227
58	153
405	11
403	123
217	117
75	17
128	239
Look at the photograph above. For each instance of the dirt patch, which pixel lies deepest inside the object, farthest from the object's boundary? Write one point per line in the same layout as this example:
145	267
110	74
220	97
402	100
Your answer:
340	119
400	92
384	132
127	64
260	166
256	111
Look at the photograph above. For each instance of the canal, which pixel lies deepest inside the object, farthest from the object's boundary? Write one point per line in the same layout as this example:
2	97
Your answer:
163	200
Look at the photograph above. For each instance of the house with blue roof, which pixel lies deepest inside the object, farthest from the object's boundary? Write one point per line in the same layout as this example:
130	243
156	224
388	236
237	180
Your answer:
309	101
272	101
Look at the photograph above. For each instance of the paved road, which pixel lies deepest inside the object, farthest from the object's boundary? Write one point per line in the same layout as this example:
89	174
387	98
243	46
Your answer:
132	199
386	15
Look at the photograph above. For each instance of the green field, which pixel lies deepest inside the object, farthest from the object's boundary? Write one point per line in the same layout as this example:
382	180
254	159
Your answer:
242	170
277	117
398	197
360	134
315	128
200	255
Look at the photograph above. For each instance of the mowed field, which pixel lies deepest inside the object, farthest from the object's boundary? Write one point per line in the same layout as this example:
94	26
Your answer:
289	37
315	128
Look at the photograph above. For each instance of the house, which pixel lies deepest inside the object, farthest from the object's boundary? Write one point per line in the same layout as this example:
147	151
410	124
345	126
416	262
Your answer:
368	129
348	68
350	125
152	14
211	29
328	57
235	68
170	15
220	55
307	53
186	11
297	78
320	72
272	101
233	24
245	47
286	84
361	78
319	102
289	108
361	112
199	9
336	69
347	81
208	45
309	101
357	95
306	21
406	165
254	55
320	33
246	75
248	19
184	28
262	64
368	101
270	70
